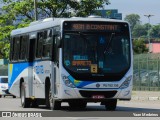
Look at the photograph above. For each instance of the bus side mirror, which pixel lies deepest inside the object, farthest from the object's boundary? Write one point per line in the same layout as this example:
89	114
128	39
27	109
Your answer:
57	43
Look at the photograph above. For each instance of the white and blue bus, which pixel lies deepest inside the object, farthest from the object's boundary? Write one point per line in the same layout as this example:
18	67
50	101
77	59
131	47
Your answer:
74	60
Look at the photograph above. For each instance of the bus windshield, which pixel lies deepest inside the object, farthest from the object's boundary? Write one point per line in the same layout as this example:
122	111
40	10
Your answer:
96	53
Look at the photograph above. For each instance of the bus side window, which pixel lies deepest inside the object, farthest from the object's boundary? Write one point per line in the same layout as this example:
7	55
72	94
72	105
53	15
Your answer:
47	44
23	47
39	45
11	49
16	46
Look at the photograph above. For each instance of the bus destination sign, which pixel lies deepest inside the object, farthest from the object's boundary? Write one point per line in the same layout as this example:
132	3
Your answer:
92	26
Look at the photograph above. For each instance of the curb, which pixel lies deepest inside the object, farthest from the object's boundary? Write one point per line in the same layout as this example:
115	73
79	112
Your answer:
145	98
154	98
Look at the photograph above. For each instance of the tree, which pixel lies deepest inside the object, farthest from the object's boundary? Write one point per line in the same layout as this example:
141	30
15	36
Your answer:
4	50
155	31
108	13
139	46
139	31
133	19
52	8
4	40
5	29
19	13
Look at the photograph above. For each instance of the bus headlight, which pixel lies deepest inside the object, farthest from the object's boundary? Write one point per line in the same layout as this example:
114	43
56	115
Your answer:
126	83
67	82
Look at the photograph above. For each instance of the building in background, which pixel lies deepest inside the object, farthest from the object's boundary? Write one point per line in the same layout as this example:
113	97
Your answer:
155	47
109	13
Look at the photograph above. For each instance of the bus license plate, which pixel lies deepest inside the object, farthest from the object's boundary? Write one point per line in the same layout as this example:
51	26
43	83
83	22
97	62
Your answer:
98	96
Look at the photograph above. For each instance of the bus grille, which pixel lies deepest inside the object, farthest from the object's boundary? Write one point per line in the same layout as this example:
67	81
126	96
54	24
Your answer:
107	94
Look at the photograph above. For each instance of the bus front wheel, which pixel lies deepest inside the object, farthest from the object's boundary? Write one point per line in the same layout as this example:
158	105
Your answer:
111	105
50	102
24	101
55	105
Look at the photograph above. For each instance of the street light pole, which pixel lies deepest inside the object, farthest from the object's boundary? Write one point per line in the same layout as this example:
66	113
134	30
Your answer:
35	10
149	43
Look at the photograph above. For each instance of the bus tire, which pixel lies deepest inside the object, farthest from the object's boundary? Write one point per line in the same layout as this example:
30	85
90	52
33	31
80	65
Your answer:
48	96
25	102
111	105
56	105
14	96
50	102
0	96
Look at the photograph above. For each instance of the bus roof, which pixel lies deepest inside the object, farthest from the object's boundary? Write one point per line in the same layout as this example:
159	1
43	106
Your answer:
51	22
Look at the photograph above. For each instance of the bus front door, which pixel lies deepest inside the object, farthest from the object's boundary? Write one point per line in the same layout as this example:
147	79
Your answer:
31	54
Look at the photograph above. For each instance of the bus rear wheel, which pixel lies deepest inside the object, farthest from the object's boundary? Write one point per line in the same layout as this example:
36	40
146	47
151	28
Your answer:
25	102
111	105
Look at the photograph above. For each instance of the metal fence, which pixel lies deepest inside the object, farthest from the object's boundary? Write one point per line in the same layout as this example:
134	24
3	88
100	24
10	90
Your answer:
146	74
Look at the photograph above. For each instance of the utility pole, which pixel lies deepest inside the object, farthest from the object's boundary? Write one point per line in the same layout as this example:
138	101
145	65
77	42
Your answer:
149	42
35	10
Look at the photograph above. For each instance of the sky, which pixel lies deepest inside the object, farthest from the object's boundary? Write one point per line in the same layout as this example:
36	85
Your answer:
140	7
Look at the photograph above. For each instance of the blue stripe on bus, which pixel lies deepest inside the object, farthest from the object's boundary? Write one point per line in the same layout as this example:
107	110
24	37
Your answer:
79	84
14	70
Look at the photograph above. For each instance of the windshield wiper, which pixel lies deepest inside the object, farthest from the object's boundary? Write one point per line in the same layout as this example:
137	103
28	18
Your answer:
108	45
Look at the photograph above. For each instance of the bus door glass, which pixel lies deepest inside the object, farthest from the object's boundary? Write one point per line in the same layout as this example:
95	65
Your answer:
31	56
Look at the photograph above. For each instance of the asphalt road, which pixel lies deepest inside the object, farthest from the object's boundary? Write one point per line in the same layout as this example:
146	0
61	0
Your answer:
93	109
